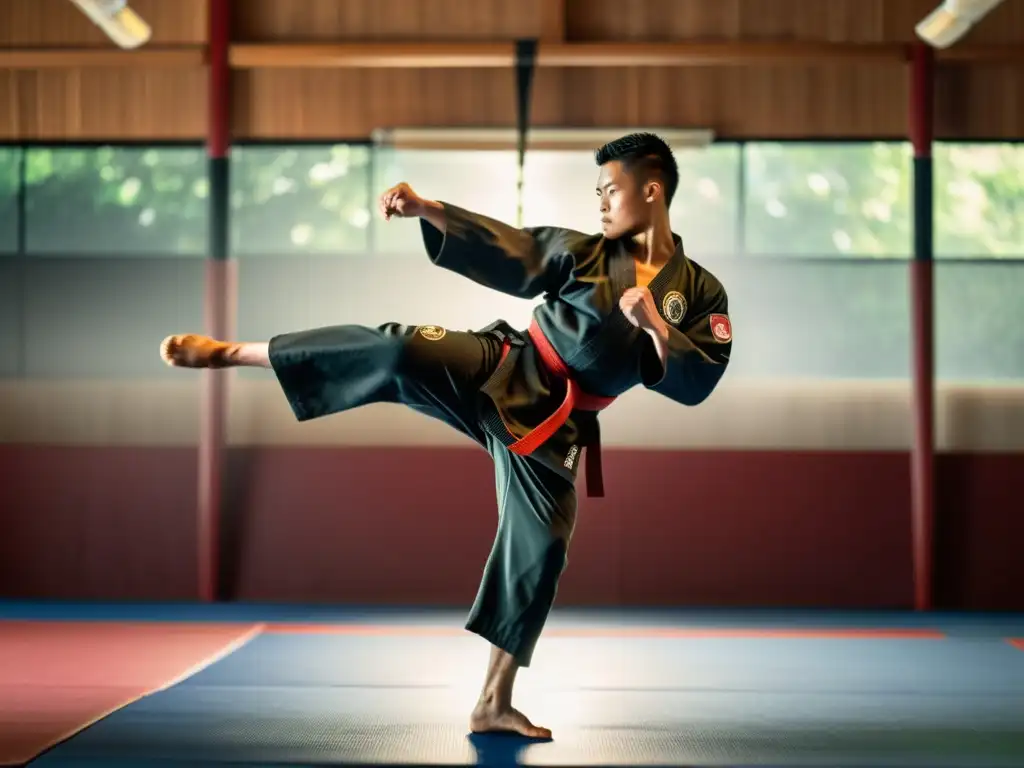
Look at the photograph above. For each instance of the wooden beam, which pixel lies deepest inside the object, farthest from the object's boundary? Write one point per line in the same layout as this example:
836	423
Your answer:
631	54
982	54
712	54
372	55
178	57
500	55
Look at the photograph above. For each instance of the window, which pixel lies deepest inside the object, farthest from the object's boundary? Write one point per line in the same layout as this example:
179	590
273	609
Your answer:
798	318
559	189
116	200
828	199
979	321
979	200
98	317
483	181
10	173
705	210
287	200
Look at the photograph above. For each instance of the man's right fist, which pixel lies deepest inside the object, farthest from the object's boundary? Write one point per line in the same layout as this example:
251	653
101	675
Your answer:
402	202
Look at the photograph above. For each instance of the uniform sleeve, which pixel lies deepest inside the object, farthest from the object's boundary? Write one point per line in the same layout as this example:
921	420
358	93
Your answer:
697	356
520	262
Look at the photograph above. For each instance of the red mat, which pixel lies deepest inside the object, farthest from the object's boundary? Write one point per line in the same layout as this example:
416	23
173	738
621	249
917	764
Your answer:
57	678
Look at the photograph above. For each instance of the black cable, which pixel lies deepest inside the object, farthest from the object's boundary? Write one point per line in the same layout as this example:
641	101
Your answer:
526	62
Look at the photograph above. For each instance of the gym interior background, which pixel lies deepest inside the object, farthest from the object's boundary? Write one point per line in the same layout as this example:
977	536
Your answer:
791	486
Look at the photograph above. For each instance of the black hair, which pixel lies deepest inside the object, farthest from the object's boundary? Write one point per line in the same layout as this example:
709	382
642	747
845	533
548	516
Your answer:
646	155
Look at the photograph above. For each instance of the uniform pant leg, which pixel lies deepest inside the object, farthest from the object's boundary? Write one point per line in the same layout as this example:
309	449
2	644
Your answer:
536	518
324	371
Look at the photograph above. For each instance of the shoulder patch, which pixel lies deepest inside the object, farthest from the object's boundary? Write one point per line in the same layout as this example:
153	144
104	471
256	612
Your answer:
721	328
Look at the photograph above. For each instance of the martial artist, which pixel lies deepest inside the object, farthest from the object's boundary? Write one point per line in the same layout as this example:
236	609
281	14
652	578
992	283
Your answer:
623	308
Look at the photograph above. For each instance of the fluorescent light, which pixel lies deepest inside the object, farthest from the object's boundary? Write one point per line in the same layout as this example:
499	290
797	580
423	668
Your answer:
952	20
118	21
536	138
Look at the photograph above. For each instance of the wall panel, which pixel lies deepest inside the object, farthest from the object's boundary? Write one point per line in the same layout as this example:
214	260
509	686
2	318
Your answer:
768	102
747	528
9	105
771	102
57	23
975	101
856	21
410	20
351	103
113	104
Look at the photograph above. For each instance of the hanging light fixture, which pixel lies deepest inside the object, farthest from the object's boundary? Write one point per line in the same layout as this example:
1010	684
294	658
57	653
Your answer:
117	20
952	20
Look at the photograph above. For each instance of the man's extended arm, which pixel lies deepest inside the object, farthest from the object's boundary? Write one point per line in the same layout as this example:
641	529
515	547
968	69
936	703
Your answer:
433	214
522	262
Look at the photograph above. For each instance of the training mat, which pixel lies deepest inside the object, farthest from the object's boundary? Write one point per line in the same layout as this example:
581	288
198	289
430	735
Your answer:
56	678
390	700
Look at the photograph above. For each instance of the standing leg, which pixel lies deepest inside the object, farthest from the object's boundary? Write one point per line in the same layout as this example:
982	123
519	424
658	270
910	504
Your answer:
536	518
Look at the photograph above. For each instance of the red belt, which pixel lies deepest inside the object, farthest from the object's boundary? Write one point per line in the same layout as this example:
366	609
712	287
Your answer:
575	398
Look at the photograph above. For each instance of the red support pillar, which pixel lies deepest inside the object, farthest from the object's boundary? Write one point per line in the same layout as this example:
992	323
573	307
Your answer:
218	300
922	456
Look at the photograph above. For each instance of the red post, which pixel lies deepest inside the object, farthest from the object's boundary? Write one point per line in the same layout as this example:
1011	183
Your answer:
922	456
218	301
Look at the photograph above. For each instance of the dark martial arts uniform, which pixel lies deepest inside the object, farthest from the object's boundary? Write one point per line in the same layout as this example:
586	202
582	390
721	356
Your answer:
512	391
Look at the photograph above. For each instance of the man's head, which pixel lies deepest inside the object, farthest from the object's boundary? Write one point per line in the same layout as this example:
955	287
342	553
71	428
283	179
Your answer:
638	175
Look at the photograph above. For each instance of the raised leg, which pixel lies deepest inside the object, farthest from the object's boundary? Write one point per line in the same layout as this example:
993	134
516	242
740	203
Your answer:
536	518
327	370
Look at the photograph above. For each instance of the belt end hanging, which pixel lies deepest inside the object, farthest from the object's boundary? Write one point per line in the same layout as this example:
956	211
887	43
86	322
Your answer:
595	474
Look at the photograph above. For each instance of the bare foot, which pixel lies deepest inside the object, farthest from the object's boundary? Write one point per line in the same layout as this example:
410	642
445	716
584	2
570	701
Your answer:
491	719
193	351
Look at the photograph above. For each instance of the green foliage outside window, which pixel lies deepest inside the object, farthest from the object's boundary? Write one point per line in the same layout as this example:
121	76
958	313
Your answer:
116	200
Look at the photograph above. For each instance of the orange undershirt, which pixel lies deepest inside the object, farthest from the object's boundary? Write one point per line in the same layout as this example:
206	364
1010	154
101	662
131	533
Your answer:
645	273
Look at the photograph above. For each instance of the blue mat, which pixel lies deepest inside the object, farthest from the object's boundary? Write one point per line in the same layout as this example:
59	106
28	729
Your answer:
954	624
389	700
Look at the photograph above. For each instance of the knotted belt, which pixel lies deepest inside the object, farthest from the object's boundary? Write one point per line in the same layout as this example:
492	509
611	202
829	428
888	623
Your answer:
575	399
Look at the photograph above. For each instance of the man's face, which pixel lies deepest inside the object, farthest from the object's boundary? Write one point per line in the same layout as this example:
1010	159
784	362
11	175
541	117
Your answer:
625	209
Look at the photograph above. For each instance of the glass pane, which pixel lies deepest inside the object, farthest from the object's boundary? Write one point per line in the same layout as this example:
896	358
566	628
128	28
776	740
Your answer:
828	199
979	322
559	190
482	181
97	317
300	199
979	200
116	200
10	159
796	318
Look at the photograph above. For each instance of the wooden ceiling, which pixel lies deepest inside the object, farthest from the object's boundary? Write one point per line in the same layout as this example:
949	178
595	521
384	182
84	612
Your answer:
305	69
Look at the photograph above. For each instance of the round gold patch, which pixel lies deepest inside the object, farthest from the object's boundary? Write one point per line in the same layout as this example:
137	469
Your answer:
432	332
673	306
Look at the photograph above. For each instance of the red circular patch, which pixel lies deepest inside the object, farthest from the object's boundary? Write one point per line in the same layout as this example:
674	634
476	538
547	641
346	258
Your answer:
721	328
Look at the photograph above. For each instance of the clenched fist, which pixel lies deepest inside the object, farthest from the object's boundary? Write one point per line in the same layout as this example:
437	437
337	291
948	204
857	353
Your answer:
402	202
637	304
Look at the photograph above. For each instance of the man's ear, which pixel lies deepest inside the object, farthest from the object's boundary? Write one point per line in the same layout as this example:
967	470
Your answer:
653	190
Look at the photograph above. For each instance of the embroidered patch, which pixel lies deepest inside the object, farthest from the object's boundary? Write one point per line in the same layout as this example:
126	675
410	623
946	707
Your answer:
432	332
721	328
570	459
673	306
